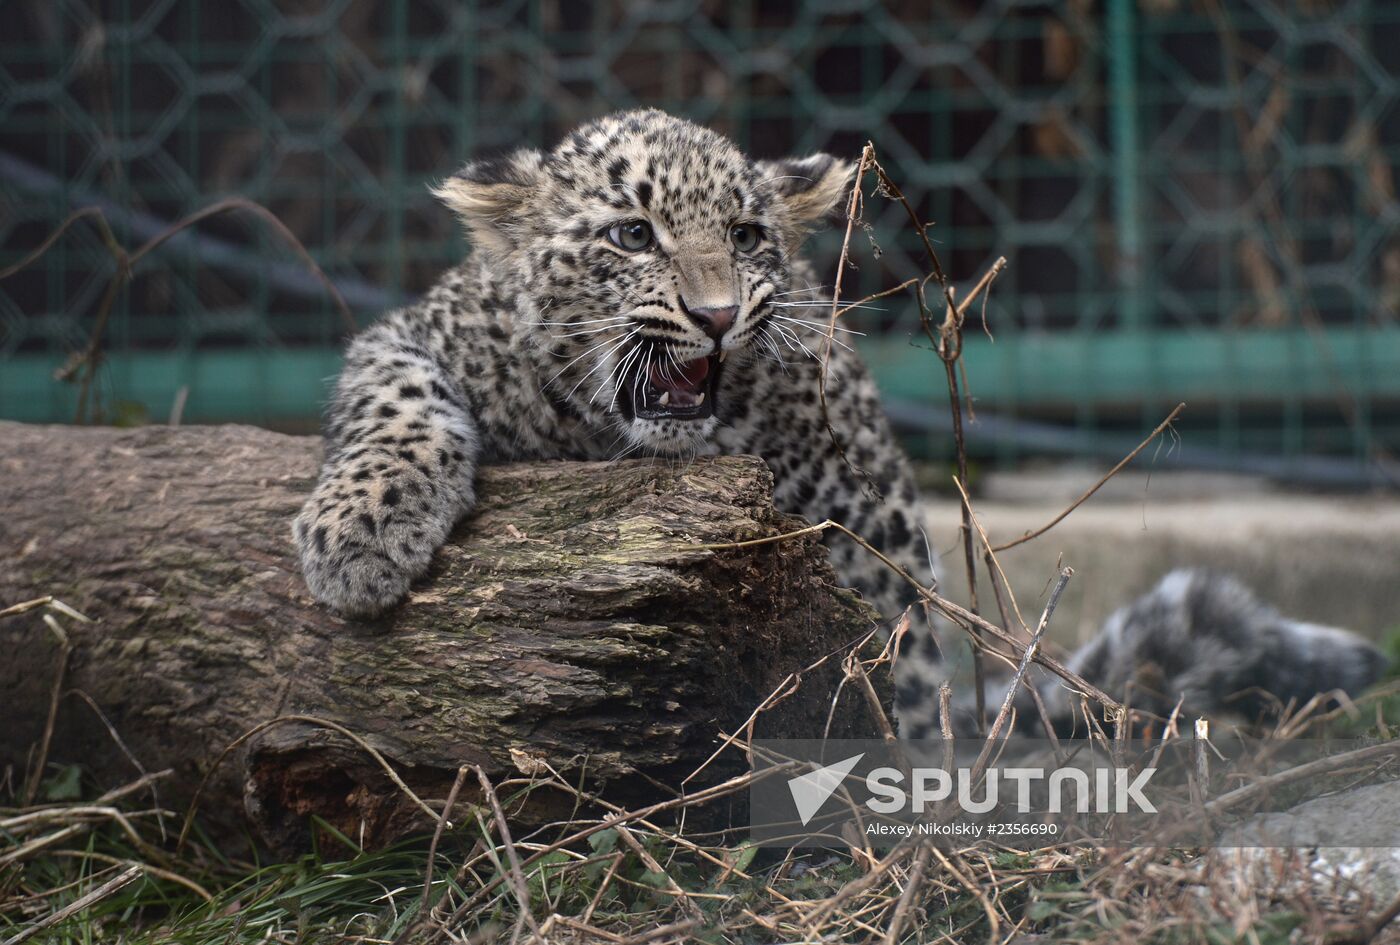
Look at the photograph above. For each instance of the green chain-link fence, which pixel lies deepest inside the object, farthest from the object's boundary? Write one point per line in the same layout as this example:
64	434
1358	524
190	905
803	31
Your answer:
1197	198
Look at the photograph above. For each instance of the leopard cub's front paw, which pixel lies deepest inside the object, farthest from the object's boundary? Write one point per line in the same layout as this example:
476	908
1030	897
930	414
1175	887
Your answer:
346	560
348	575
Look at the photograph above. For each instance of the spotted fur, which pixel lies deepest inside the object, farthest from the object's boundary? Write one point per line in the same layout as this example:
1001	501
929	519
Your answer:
554	340
527	349
1204	640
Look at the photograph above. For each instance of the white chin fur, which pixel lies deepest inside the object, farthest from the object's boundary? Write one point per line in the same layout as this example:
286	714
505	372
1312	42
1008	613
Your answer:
671	437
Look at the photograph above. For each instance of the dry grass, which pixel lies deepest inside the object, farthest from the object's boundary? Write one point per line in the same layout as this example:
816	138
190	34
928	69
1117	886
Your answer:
632	882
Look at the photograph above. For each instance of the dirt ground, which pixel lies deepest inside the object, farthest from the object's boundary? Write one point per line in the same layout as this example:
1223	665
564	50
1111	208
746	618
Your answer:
1327	558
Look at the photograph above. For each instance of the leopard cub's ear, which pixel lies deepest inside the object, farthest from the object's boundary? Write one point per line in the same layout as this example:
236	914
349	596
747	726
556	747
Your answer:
493	197
807	190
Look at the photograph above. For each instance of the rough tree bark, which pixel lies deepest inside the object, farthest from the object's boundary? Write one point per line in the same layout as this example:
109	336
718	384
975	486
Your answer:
570	618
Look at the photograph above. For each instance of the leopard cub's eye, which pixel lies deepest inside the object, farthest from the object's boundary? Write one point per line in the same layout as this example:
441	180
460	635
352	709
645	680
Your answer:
633	236
745	236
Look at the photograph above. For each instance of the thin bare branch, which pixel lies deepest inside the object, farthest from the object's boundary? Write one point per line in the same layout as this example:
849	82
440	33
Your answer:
1096	486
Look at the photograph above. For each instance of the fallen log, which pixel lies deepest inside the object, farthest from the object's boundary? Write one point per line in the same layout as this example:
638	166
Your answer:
571	619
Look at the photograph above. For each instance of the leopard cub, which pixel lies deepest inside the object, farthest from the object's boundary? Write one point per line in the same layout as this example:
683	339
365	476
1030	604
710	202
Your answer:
638	290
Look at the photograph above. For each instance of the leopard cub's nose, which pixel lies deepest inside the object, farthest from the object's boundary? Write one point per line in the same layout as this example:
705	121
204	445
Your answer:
715	321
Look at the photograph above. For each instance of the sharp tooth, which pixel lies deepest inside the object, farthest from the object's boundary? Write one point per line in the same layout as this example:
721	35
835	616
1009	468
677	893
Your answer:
665	398
701	400
722	356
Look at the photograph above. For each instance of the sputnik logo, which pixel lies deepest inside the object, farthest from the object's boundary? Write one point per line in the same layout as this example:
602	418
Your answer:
810	791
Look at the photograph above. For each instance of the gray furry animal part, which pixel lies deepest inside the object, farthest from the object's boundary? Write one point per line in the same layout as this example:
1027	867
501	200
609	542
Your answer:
1205	640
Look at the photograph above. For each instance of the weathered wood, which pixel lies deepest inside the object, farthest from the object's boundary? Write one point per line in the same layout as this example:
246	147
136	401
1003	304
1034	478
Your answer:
571	618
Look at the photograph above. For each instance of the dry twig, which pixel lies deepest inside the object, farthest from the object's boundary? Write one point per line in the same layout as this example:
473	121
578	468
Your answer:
1036	533
78	905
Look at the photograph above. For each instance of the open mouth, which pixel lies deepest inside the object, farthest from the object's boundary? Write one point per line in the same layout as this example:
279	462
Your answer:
675	391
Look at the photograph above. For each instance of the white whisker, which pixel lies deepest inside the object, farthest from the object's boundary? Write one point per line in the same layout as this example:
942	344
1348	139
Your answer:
582	334
812	288
834	340
583	321
787	335
769	180
602	385
777	355
602	360
820	330
621	374
817	326
570	363
643	369
826	304
676	362
786	332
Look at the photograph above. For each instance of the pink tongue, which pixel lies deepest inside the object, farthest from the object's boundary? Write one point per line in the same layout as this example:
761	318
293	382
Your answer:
685	380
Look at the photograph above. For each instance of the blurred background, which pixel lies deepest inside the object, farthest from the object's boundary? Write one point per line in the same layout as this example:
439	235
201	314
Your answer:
1197	197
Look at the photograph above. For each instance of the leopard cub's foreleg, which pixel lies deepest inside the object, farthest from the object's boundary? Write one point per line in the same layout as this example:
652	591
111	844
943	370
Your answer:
401	455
